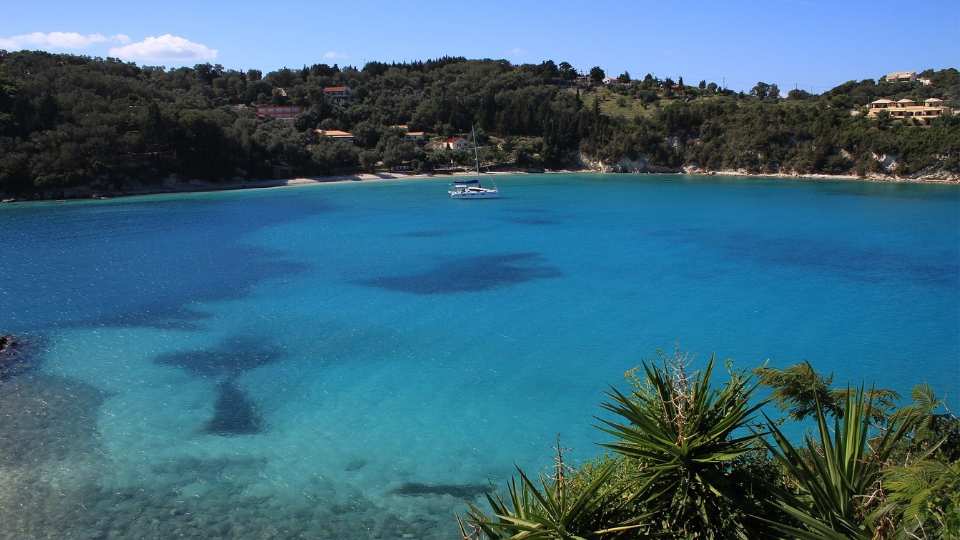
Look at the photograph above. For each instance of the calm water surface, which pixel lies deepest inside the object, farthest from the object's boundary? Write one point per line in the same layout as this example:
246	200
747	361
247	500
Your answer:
356	360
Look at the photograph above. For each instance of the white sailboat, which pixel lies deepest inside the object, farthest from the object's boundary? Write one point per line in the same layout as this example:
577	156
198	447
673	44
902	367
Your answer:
472	188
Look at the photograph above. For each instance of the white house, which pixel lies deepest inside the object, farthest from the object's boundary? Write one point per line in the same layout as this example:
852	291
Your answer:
456	143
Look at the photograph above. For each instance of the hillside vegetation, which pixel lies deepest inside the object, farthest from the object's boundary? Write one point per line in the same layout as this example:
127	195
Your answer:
101	124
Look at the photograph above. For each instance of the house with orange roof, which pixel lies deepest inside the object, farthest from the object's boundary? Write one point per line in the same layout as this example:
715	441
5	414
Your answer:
335	134
340	95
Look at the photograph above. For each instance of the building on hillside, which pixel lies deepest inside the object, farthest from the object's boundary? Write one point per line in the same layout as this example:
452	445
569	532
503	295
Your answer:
882	103
456	143
415	136
340	95
925	82
335	134
279	112
901	76
908	109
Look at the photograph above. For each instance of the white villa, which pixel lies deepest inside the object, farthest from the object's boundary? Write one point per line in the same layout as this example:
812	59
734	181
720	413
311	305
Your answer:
901	76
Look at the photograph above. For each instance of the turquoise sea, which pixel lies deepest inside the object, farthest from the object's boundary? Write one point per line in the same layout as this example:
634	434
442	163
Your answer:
357	360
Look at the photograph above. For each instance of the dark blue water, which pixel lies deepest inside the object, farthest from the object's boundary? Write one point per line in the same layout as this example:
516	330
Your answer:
302	362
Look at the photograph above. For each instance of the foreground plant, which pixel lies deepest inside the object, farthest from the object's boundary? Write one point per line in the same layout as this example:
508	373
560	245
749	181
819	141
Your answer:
687	463
558	508
798	389
922	488
686	438
838	476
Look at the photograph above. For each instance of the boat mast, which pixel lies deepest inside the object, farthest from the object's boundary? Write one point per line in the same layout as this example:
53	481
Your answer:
476	153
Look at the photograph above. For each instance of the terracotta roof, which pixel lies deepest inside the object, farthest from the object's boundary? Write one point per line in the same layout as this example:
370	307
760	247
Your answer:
331	89
906	100
882	101
933	100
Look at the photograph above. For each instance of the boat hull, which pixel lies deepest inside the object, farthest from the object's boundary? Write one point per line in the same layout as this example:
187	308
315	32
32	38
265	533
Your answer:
475	194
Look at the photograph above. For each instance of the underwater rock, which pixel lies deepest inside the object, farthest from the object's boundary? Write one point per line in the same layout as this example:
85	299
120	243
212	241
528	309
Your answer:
469	274
355	465
13	357
461	491
234	412
47	418
39	508
229	358
7	342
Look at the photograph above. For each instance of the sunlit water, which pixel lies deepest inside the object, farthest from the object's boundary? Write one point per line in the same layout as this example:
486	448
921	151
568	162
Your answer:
358	360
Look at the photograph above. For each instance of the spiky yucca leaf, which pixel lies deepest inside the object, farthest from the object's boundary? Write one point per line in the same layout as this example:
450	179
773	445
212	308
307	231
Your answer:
837	477
551	510
685	436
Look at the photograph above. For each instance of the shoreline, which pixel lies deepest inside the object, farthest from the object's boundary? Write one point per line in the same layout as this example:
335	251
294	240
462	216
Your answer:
874	178
199	186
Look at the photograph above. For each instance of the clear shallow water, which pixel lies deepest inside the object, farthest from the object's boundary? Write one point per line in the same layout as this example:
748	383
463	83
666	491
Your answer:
300	362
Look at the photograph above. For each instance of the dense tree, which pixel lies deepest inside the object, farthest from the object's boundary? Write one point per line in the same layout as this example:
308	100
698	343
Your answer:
597	74
763	90
567	72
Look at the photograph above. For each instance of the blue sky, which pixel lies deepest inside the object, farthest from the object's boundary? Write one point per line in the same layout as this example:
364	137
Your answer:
812	44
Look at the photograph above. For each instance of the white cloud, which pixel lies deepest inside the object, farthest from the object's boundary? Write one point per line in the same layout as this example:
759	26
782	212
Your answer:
516	51
166	47
57	40
334	55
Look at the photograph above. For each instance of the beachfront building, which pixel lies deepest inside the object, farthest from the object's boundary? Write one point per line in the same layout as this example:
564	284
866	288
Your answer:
279	112
456	143
419	137
901	76
335	134
909	109
338	94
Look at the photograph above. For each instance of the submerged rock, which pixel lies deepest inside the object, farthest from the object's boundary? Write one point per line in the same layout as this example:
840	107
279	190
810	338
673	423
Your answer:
44	417
234	413
14	359
355	464
461	491
231	357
